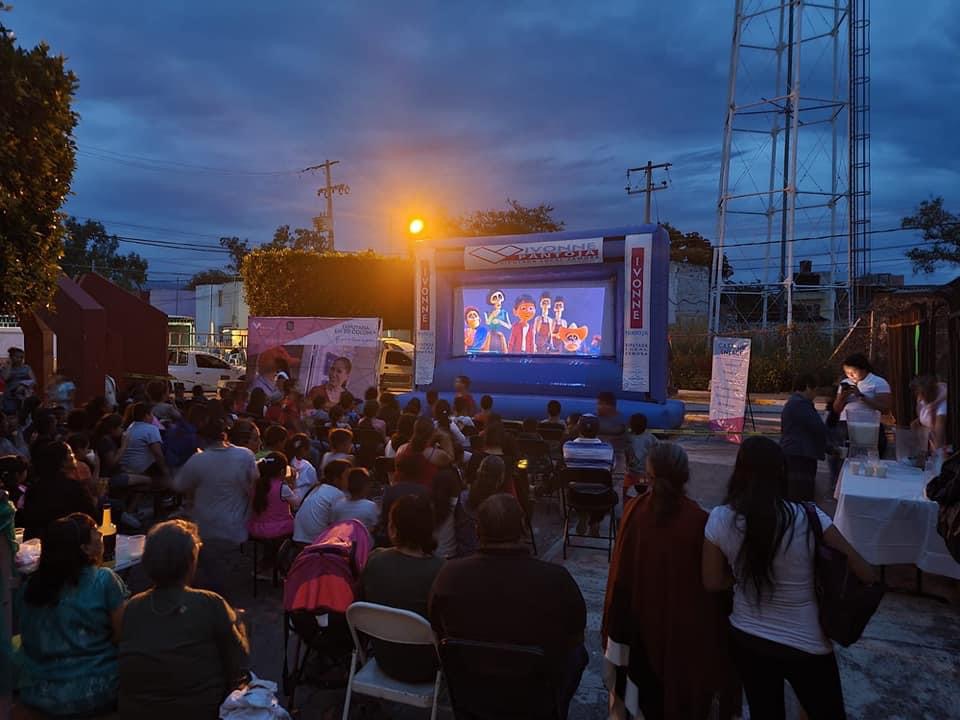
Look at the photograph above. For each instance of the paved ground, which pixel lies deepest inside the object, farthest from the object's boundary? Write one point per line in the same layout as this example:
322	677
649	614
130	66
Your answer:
906	666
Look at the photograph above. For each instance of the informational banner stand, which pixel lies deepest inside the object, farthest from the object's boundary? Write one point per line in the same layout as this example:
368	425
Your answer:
728	386
426	303
321	355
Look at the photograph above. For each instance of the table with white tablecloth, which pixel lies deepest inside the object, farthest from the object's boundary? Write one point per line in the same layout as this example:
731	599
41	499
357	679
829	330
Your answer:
128	553
889	521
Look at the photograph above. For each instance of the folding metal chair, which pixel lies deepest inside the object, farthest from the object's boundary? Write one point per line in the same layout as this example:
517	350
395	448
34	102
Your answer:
588	490
366	677
496	681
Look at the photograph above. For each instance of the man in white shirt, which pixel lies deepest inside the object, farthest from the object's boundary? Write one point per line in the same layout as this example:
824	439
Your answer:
316	511
861	389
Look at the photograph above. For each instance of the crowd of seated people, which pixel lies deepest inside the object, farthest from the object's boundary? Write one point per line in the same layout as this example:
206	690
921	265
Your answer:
248	467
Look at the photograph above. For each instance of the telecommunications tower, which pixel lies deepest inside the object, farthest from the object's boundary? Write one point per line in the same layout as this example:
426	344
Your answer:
795	165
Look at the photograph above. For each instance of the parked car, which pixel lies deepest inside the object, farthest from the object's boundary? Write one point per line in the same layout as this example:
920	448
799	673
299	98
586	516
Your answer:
199	368
396	365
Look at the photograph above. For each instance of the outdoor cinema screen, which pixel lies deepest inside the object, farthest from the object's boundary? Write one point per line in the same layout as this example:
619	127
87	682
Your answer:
555	319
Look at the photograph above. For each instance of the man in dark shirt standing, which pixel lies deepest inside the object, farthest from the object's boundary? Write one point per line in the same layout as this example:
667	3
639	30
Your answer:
502	595
803	437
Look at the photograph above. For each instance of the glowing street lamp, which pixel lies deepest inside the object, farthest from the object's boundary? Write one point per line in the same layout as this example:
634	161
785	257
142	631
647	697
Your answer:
416	226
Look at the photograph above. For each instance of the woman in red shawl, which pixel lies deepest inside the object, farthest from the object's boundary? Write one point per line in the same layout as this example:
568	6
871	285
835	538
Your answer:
663	633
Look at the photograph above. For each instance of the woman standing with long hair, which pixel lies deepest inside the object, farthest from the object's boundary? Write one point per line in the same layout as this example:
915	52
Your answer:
761	544
663	633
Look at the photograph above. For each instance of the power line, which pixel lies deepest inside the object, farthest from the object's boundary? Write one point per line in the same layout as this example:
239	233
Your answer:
105	221
150	163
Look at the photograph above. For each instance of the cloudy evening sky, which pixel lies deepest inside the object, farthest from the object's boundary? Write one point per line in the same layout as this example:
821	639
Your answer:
446	105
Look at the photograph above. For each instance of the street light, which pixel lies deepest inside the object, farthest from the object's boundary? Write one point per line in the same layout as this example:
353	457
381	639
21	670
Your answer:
416	226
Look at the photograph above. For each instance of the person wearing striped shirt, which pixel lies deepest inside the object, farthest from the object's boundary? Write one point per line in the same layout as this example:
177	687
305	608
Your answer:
587	450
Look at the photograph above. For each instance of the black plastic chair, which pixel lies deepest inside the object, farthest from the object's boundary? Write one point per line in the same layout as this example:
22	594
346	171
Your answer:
588	490
551	432
513	426
494	681
540	465
370	444
380	476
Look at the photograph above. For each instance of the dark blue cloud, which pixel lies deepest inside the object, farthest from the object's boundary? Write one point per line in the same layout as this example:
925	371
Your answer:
447	105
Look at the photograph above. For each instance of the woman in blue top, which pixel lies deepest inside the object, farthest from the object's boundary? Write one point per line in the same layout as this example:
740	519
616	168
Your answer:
70	623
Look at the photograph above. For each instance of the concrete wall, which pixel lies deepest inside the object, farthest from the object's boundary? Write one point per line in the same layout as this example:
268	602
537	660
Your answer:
172	301
221	306
688	293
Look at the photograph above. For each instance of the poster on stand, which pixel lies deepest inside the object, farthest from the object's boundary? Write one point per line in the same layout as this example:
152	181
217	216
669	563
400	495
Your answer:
637	256
728	386
321	355
426	319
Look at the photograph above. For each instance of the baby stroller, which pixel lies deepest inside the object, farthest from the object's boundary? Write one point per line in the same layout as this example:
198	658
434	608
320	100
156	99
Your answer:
322	583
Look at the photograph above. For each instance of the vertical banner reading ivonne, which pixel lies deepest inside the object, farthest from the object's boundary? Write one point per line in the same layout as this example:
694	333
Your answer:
728	385
637	255
426	320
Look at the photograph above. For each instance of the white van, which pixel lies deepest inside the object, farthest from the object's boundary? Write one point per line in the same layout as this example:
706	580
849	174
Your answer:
197	368
396	365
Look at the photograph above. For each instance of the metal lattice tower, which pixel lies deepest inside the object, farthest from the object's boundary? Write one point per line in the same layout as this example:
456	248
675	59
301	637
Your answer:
795	164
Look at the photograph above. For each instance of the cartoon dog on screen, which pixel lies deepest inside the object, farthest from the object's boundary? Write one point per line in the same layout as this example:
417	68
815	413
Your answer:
572	339
522	337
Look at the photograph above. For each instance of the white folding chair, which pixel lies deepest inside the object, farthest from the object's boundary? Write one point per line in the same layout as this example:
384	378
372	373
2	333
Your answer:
390	625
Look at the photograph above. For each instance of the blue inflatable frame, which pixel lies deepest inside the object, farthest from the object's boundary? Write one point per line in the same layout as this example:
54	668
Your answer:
521	386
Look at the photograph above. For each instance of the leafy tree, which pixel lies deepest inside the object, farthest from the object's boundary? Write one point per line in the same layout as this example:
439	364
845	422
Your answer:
694	249
285	281
213	276
36	166
315	239
239	249
515	220
941	228
88	248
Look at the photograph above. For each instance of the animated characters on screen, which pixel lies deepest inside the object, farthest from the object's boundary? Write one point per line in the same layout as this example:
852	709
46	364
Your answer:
498	321
538	327
543	327
521	334
476	337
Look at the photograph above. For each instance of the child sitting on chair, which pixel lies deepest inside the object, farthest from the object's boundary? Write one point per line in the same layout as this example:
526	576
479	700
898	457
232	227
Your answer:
639	442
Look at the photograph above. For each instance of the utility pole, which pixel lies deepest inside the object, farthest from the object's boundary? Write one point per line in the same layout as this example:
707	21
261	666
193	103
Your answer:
328	191
648	186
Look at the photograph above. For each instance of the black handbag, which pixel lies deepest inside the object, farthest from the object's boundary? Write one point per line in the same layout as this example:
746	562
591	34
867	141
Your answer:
845	602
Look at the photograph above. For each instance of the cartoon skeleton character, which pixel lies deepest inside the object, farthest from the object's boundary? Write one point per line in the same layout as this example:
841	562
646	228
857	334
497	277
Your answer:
498	321
543	325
